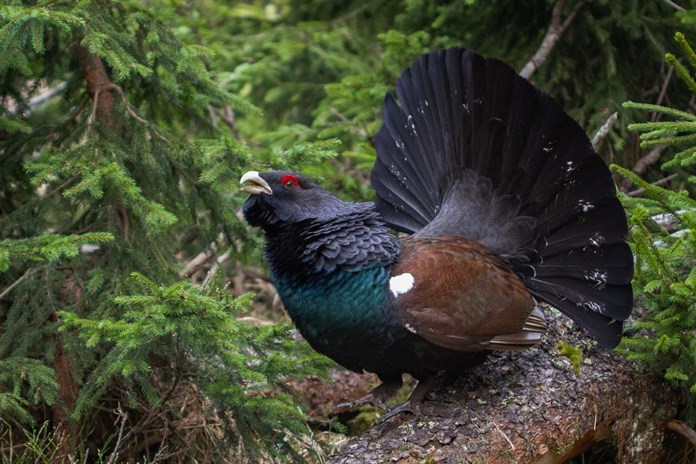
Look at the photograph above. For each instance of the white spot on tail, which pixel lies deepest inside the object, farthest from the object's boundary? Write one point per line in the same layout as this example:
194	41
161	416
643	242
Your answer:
410	328
401	284
585	206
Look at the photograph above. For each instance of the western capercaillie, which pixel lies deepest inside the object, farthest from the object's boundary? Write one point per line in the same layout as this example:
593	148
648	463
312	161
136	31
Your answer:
506	203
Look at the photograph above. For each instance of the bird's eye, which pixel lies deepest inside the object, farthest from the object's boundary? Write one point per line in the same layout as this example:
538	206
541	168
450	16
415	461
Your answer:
289	182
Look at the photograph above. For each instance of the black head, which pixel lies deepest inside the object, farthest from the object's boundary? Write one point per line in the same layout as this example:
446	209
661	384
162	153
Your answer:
283	197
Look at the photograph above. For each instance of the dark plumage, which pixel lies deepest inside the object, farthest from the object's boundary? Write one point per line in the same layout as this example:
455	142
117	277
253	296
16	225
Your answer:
506	202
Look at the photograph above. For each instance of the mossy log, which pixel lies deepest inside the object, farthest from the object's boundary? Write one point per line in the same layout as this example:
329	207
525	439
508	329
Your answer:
533	406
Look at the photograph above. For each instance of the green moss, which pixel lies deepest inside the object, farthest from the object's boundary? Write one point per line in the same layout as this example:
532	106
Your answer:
573	353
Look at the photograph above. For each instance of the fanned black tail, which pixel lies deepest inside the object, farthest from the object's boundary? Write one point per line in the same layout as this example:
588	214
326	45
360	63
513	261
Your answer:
473	149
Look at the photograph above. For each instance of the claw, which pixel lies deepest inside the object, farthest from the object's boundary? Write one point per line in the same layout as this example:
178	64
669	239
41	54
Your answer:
414	407
367	399
413	404
377	397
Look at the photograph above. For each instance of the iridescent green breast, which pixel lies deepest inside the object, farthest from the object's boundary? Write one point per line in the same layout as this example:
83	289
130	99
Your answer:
343	314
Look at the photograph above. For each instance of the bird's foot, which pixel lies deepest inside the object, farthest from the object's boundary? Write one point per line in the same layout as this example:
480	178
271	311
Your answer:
377	397
414	407
413	404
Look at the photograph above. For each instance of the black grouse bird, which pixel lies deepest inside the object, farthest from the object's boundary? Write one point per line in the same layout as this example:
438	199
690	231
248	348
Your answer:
506	203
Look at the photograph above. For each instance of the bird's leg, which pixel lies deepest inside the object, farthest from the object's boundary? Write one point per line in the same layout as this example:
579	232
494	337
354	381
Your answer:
378	396
413	404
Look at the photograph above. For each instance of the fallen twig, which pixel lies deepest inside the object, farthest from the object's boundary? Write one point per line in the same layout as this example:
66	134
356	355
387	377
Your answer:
504	436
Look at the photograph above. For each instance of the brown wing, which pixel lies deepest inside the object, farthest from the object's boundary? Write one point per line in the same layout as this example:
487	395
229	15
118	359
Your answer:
455	293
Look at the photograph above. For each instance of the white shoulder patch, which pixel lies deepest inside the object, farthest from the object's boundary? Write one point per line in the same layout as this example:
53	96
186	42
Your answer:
401	284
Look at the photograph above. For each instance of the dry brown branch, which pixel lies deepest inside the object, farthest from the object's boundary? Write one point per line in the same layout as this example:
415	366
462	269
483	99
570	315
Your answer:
198	261
214	268
642	165
554	32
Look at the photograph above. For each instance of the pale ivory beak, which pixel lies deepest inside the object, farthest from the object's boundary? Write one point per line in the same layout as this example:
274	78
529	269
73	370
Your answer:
258	185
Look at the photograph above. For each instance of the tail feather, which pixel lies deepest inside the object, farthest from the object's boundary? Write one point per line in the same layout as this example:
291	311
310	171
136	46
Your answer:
473	149
606	330
577	193
585	264
583	231
609	300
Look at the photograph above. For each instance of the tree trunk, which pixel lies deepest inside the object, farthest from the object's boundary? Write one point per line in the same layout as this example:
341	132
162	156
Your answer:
530	407
68	388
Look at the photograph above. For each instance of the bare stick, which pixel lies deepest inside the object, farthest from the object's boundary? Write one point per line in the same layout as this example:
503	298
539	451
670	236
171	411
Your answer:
123	416
674	5
604	130
556	29
39	99
504	436
15	283
214	269
199	260
663	91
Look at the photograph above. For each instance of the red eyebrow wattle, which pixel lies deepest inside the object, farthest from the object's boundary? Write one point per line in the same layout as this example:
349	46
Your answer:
289	178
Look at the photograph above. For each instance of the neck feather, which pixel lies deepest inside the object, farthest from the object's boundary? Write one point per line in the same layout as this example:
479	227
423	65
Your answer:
353	241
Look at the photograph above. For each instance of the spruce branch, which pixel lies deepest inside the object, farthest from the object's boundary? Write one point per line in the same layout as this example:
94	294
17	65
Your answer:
682	71
662	181
660	109
556	29
691	138
686	48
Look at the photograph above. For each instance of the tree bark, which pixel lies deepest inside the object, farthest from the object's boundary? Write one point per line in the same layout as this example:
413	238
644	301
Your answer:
68	388
530	407
99	86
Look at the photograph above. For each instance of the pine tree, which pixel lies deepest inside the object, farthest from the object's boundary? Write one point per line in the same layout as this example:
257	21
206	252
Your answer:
111	172
663	238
